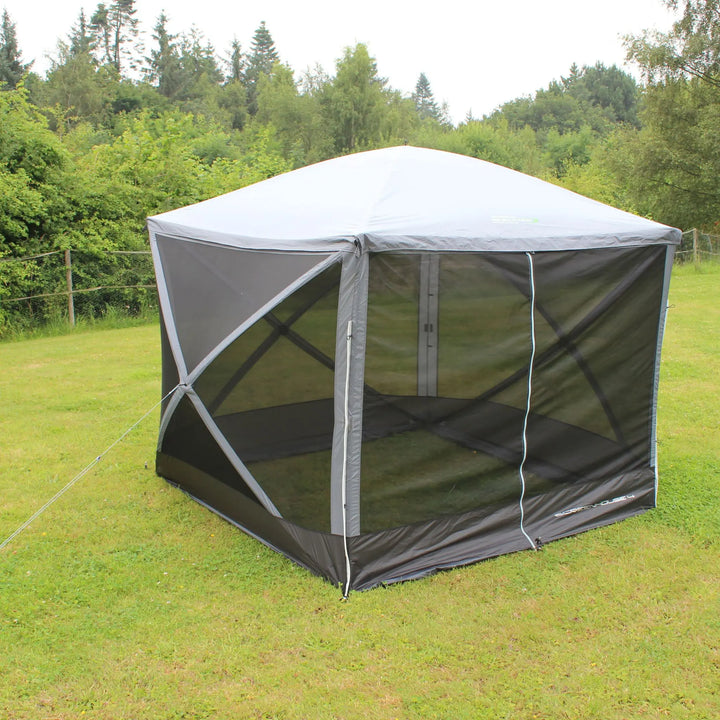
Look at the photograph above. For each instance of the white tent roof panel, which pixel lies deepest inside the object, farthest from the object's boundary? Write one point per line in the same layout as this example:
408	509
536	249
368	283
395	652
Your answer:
408	197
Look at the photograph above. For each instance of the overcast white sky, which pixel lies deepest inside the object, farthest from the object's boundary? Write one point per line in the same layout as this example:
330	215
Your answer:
476	54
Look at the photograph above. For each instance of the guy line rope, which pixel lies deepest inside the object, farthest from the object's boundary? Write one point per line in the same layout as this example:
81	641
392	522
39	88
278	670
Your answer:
82	473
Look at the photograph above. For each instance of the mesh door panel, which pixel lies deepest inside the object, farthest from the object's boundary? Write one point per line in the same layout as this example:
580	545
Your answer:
424	455
596	322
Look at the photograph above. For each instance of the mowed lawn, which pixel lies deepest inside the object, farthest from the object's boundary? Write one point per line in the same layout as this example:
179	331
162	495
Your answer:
125	599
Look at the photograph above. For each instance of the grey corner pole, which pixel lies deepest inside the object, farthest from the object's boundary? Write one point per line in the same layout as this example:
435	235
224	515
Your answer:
348	384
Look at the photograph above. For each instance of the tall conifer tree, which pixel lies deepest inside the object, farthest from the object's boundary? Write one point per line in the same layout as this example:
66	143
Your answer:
165	69
11	67
236	62
114	26
425	100
263	56
80	40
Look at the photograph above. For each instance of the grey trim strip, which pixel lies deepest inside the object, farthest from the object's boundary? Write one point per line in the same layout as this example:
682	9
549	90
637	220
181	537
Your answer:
289	290
669	257
166	306
378	242
231	455
344	243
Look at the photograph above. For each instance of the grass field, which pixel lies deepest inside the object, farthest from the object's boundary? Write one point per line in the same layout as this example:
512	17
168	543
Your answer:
125	599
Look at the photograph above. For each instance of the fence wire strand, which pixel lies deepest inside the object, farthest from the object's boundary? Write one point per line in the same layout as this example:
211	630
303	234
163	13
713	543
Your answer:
79	290
697	247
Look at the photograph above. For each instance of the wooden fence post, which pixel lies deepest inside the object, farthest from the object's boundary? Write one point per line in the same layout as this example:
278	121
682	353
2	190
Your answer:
696	257
68	279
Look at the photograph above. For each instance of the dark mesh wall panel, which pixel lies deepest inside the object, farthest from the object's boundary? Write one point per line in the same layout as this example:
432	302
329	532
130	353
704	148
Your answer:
392	335
425	456
596	319
483	324
187	439
215	289
271	394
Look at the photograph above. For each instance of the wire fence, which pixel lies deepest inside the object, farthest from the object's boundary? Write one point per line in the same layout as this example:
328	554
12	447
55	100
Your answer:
36	289
698	247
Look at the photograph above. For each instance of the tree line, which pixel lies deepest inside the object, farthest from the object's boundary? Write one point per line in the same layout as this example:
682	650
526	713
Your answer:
113	132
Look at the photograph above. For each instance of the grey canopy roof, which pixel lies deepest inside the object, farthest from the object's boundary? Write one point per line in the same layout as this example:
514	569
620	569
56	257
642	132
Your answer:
408	198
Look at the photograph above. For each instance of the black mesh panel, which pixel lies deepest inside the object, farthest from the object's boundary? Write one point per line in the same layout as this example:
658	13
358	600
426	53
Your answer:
596	318
271	394
187	439
392	325
213	289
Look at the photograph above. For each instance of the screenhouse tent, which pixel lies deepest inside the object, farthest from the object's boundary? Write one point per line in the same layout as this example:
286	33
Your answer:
405	360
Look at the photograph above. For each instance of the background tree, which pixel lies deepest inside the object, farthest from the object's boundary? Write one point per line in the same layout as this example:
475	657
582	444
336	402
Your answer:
496	142
233	94
197	58
551	108
690	50
80	39
11	66
594	96
115	27
296	117
424	100
78	90
671	166
202	78
232	99
675	157
354	101
602	177
561	151
164	69
261	59
32	159
235	63
611	89
314	81
102	35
